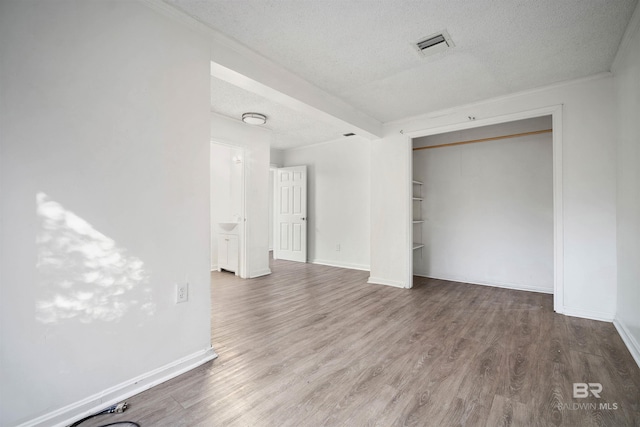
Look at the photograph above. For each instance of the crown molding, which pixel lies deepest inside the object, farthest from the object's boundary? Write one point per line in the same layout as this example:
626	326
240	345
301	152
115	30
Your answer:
457	108
629	33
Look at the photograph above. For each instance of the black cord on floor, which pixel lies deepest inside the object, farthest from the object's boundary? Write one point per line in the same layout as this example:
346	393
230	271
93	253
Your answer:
120	407
77	423
120	422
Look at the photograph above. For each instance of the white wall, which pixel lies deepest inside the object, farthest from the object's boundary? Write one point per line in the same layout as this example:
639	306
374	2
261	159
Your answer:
104	173
275	161
277	157
589	182
255	141
272	180
227	166
627	90
338	200
488	207
390	194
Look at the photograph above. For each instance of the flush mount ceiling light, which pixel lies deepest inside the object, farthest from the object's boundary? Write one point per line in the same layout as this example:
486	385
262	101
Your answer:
254	118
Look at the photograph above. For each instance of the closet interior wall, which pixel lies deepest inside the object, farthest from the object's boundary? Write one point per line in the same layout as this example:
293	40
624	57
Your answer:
486	208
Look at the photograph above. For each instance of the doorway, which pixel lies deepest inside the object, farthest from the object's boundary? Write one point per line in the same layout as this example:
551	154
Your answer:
290	214
227	210
555	113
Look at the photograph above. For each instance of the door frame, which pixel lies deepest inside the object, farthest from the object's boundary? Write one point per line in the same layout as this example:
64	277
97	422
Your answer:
305	218
242	224
555	111
273	174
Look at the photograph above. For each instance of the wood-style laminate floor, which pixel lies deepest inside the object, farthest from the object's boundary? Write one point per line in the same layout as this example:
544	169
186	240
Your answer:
311	345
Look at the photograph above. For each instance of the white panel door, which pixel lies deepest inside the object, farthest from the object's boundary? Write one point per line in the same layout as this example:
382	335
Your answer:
291	202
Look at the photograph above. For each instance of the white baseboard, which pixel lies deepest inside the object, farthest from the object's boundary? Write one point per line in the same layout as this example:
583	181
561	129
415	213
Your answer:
259	273
339	264
493	284
629	340
99	401
587	314
378	281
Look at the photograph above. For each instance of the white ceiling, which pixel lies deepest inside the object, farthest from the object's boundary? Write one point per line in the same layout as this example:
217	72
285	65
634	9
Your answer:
361	50
290	127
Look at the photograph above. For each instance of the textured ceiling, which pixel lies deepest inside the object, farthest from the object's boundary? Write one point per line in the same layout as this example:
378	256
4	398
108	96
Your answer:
361	50
290	128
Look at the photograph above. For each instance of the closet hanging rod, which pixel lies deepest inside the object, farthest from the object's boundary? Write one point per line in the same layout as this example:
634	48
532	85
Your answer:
494	138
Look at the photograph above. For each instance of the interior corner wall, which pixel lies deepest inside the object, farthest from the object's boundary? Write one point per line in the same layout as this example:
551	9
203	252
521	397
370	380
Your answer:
487	207
277	157
104	114
256	144
588	193
338	201
627	89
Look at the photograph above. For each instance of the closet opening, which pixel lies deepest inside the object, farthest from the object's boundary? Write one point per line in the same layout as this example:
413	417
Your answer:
486	205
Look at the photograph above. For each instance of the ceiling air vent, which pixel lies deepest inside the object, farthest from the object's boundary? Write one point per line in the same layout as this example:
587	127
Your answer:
434	43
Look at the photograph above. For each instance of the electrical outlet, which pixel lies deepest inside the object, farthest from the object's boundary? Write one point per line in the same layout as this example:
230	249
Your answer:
182	292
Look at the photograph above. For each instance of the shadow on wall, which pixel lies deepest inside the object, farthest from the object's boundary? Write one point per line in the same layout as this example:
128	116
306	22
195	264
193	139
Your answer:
82	273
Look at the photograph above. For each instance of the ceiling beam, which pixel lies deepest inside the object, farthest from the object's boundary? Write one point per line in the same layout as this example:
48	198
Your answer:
237	64
242	67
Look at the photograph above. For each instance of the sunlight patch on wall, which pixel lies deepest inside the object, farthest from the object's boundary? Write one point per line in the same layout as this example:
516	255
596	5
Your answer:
83	274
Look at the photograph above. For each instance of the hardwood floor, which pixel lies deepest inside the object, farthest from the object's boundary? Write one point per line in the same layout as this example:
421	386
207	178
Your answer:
312	345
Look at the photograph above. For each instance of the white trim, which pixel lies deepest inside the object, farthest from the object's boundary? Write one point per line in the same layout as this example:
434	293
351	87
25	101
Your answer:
503	285
444	112
505	118
409	210
321	143
632	28
339	264
273	174
555	111
558	211
171	12
588	314
378	281
629	340
92	404
260	273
